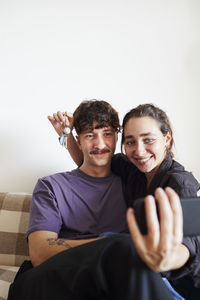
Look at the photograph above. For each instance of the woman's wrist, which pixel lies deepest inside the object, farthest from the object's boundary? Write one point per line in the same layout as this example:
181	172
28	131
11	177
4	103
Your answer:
180	257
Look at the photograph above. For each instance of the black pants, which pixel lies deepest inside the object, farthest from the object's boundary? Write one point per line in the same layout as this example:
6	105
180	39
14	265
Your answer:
105	269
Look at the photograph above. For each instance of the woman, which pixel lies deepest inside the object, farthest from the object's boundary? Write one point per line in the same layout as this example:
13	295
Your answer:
147	139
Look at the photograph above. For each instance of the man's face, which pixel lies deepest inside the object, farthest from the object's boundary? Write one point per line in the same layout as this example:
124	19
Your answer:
98	145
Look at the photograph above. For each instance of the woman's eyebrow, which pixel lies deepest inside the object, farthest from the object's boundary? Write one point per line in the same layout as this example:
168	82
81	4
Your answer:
128	137
142	135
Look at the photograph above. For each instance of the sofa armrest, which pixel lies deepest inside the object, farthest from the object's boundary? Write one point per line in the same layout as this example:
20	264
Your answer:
14	218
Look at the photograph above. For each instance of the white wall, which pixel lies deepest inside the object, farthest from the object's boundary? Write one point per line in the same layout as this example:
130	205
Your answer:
56	53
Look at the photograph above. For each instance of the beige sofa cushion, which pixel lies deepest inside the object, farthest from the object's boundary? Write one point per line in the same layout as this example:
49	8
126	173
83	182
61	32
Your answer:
14	218
7	275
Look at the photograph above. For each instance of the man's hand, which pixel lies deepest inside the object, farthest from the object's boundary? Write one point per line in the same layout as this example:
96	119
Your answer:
161	248
60	120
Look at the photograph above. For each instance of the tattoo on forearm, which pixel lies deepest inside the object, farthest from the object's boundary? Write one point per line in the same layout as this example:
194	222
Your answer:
58	242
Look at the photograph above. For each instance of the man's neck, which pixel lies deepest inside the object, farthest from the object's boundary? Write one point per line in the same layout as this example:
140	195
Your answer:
96	172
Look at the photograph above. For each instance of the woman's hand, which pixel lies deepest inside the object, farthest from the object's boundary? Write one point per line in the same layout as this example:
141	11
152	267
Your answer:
60	120
161	248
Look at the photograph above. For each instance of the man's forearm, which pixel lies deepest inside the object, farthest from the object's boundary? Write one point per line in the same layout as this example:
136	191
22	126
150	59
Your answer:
58	242
42	249
67	244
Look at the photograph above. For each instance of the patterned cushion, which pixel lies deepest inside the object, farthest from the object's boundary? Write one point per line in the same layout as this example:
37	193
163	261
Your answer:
7	275
14	218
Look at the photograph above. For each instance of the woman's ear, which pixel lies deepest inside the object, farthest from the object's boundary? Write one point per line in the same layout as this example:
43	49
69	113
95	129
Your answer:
168	138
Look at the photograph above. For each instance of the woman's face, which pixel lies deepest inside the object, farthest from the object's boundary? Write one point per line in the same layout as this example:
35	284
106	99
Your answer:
144	144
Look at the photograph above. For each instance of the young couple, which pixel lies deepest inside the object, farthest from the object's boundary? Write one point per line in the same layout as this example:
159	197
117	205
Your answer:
72	211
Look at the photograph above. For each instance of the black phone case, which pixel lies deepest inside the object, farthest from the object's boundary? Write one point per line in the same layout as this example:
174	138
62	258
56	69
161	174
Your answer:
191	215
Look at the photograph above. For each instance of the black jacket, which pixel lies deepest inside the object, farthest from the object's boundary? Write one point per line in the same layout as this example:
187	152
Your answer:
171	174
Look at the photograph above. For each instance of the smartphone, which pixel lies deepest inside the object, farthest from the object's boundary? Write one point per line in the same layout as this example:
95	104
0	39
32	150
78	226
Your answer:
191	215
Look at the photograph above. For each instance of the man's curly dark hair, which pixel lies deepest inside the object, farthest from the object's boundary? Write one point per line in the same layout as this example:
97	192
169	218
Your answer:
95	110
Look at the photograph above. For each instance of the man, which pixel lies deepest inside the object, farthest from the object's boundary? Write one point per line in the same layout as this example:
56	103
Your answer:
97	125
71	211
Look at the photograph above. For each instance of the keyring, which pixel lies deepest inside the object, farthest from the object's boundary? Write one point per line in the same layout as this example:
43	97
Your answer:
63	138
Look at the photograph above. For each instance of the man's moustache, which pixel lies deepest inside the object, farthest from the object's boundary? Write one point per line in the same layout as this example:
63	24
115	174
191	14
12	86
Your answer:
100	151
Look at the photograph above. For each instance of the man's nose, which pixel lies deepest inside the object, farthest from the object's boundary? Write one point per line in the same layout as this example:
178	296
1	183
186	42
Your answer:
100	142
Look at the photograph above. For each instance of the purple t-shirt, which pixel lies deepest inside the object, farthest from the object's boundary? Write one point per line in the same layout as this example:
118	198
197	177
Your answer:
76	205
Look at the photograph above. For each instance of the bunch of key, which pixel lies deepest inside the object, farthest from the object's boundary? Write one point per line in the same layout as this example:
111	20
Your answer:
63	137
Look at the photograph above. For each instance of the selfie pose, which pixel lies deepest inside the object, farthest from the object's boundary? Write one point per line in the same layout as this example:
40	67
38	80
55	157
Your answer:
147	140
73	253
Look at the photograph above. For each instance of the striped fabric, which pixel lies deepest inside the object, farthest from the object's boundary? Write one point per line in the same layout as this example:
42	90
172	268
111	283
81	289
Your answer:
14	218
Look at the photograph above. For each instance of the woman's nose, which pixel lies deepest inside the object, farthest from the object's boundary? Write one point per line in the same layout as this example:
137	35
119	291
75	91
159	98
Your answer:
139	149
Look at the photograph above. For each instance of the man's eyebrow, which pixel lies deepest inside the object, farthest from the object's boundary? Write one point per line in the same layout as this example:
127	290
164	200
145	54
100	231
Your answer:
142	135
89	130
98	126
108	129
105	128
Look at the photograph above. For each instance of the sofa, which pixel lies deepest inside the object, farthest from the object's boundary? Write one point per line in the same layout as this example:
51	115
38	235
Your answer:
14	218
